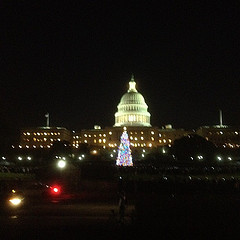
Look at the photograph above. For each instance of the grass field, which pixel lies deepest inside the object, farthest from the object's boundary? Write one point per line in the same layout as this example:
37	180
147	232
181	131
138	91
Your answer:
14	176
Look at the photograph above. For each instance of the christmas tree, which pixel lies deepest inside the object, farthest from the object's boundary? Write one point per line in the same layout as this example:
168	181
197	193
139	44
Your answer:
124	152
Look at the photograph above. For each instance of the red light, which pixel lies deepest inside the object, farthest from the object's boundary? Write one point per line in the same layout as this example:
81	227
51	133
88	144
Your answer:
55	190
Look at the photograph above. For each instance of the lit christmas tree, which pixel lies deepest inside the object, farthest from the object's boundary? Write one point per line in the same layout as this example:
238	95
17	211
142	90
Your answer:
124	152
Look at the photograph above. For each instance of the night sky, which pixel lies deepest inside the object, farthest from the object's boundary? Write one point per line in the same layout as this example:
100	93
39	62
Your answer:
74	59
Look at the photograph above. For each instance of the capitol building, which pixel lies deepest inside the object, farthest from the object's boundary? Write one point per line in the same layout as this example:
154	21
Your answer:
132	109
132	113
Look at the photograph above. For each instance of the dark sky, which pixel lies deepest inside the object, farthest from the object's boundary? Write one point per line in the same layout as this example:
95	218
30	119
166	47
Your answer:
74	59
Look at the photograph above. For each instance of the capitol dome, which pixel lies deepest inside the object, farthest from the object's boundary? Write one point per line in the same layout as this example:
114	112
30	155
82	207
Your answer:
132	109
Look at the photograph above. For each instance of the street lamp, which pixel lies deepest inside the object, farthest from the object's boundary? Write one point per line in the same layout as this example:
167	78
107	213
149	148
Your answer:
61	164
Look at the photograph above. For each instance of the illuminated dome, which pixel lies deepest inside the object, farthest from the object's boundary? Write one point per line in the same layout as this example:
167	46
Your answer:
132	109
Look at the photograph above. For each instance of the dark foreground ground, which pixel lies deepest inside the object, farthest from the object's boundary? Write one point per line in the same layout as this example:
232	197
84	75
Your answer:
154	211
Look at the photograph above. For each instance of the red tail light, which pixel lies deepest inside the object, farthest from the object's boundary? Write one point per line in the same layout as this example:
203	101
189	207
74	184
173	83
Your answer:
55	190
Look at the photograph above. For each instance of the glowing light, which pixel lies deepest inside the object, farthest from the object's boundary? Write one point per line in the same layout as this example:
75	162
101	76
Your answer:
61	164
124	157
94	152
15	201
20	158
55	190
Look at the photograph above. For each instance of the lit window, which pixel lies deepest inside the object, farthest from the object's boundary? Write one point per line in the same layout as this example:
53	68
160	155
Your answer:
110	133
89	135
100	140
152	132
152	138
135	138
45	133
104	135
142	138
104	140
85	141
131	138
85	135
150	145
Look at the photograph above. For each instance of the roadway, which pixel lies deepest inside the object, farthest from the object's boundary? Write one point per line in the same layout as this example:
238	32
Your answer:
65	219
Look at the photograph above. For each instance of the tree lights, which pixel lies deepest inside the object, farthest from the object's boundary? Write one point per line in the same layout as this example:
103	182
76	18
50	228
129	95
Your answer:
124	157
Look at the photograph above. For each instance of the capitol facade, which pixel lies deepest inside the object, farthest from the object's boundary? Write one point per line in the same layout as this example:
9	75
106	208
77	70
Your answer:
132	109
132	113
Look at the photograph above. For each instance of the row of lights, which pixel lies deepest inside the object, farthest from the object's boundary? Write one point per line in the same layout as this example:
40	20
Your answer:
219	158
28	133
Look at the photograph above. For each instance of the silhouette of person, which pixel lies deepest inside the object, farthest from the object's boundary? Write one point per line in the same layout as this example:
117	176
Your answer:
122	206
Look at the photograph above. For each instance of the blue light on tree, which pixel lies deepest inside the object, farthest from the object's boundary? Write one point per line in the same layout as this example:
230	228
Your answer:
124	157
